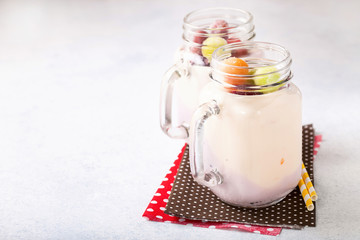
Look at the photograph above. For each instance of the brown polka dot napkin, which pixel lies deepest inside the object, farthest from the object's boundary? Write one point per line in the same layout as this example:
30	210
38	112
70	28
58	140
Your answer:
190	200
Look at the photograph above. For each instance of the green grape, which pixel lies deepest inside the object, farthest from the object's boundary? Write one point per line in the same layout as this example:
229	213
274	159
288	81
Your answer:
210	45
267	78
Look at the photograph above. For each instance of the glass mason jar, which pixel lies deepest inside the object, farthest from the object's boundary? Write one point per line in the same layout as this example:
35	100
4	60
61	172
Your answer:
204	31
246	136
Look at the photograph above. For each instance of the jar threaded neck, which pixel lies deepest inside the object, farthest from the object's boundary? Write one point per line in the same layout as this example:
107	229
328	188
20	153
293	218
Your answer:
264	67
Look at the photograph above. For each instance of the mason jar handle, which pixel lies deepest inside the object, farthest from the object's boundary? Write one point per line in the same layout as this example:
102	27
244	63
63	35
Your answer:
166	104
213	177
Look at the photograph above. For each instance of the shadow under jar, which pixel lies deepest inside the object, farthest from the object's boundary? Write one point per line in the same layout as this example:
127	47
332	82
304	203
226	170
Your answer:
203	32
246	136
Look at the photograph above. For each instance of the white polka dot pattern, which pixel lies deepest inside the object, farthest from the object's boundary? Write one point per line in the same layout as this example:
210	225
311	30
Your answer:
190	200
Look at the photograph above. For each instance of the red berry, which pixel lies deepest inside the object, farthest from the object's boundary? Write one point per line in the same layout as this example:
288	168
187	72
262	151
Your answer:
196	50
219	26
239	53
241	91
199	36
233	40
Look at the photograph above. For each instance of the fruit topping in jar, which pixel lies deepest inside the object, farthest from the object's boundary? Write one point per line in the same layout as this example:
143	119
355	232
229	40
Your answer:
238	75
267	76
232	67
237	52
220	27
206	41
198	38
210	45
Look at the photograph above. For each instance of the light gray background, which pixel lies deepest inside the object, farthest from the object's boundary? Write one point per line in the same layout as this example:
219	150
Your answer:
81	151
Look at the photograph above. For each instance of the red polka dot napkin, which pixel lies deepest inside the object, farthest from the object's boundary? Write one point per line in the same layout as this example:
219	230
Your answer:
156	208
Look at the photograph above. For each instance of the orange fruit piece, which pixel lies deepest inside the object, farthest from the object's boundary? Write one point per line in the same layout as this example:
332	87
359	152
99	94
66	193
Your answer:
237	62
231	67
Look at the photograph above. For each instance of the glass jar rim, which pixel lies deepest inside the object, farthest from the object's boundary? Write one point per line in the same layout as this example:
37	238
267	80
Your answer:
259	55
220	53
198	23
253	88
187	22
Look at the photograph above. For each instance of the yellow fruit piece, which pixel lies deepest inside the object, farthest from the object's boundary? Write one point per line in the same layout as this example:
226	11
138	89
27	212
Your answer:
210	45
267	78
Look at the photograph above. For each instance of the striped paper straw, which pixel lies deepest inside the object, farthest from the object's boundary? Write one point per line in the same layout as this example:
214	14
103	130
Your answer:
305	194
308	183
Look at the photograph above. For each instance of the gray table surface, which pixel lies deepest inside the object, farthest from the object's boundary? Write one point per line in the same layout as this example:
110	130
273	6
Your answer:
81	151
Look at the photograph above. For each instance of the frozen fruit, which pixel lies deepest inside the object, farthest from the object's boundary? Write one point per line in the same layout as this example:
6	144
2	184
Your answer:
269	76
252	71
219	26
198	60
233	40
235	66
241	91
237	62
210	45
239	53
196	50
199	36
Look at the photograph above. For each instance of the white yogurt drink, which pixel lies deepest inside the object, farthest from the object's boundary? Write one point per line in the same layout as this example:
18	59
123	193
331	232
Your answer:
255	143
246	144
204	31
186	94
